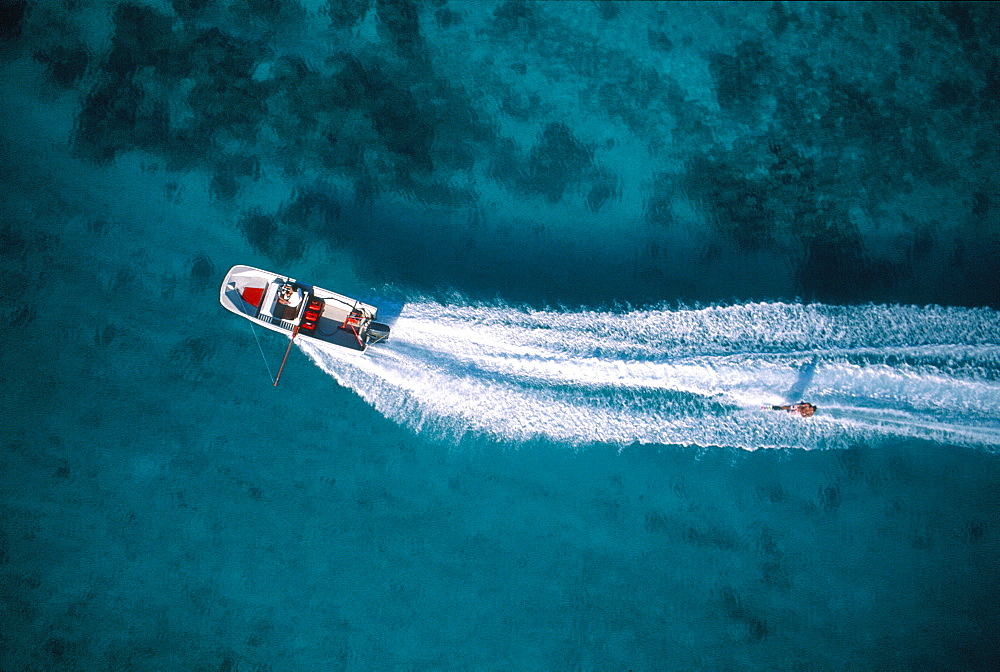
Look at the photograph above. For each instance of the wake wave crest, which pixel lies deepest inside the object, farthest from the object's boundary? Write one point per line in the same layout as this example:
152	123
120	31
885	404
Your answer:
688	376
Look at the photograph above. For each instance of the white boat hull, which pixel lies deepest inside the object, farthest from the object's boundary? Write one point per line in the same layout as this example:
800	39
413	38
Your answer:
311	312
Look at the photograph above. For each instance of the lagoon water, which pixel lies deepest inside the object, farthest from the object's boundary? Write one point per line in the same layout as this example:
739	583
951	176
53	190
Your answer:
605	235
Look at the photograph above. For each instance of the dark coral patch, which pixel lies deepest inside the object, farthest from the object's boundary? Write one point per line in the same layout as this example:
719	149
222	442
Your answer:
742	80
201	271
395	113
345	13
558	160
117	116
742	208
143	37
66	64
400	18
599	195
12	18
266	235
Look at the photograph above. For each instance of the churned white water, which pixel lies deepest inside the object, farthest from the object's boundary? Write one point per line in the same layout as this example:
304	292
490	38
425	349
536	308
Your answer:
690	376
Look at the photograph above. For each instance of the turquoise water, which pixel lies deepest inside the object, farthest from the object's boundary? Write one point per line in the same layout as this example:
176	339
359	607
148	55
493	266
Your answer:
606	234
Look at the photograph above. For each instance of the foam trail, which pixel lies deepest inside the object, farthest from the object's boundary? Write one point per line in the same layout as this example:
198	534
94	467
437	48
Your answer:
690	377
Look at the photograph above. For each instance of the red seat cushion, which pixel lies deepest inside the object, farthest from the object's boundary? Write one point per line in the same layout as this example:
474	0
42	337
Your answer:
252	295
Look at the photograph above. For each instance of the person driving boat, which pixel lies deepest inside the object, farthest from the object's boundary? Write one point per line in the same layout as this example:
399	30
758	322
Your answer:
289	296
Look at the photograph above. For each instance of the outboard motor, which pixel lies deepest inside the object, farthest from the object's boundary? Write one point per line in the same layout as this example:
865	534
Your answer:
377	332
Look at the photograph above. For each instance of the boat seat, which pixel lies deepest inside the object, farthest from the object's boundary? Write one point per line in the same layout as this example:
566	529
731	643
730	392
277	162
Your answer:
252	295
272	307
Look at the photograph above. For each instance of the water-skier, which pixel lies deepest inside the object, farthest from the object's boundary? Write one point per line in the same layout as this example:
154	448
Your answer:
801	409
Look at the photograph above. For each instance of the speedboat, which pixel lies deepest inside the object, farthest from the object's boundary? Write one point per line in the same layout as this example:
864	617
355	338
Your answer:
298	309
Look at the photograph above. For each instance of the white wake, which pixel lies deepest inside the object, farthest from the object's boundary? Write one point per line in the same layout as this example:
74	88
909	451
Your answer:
689	377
